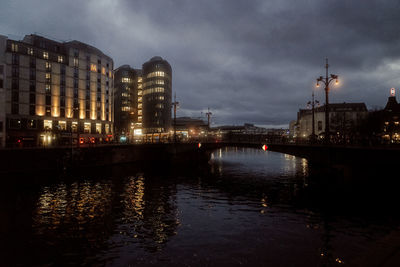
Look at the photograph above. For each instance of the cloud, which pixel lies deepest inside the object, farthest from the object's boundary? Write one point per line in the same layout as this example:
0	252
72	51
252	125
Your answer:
249	61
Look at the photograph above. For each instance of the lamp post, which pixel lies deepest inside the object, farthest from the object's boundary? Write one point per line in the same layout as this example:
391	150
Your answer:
312	103
175	104
326	81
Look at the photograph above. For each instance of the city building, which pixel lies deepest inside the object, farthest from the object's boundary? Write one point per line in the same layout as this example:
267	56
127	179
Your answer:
3	44
344	119
125	102
189	128
128	103
57	93
157	96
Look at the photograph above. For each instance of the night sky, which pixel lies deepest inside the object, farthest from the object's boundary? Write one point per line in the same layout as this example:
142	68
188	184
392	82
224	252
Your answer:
249	61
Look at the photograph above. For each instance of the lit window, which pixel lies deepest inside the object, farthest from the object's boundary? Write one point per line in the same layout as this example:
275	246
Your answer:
107	129
48	66
110	74
126	80
60	59
86	127
74	127
103	71
45	55
93	67
76	62
48	88
30	51
98	128
139	79
14	47
63	125
48	124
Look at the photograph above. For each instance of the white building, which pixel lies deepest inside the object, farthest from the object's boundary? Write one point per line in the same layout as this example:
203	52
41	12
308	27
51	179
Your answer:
343	118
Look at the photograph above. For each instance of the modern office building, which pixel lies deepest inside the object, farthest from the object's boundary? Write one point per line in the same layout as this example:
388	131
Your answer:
125	102
56	93
128	103
157	96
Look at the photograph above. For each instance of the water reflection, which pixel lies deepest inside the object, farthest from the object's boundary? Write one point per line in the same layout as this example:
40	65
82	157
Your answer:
246	207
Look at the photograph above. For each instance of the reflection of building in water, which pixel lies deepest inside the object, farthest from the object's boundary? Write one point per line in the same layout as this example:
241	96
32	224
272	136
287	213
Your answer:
149	211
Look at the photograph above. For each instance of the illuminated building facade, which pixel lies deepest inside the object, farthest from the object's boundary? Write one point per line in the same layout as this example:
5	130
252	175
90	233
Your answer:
128	103
57	93
157	95
125	101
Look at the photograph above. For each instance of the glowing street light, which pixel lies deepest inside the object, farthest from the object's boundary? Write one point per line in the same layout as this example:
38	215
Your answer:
326	81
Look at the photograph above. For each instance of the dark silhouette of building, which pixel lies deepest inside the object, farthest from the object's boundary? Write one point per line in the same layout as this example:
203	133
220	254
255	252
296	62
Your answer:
157	95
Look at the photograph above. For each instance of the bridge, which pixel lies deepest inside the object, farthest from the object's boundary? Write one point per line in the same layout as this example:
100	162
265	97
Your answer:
61	158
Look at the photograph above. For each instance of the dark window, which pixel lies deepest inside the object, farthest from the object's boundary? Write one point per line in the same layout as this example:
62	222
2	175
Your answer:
15	84
15	59
87	114
87	58
15	124
62	80
32	86
76	113
32	98
48	111
76	72
48	100
62	91
98	80
87	94
76	83
1	126
62	101
62	112
87	85
88	76
32	110
98	88
32	74
1	83
15	96
87	104
76	54
15	71
32	62
75	103
1	69
32	124
319	125
75	92
14	108
98	61
62	69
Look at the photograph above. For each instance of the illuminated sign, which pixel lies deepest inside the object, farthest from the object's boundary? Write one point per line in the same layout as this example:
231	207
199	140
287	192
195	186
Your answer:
264	147
199	145
392	91
93	67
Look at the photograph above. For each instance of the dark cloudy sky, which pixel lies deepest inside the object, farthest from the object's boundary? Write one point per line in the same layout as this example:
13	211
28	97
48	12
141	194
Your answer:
252	61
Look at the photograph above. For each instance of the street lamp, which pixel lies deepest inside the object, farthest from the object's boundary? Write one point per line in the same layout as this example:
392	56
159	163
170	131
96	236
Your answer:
326	81
312	103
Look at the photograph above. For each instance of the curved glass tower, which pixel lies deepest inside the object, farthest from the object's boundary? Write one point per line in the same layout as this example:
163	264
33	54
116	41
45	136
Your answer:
157	95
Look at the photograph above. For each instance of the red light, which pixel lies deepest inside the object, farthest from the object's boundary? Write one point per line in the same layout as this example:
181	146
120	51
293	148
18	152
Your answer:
19	141
264	147
199	145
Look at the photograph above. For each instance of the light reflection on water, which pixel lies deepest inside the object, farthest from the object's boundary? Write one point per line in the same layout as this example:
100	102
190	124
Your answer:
246	207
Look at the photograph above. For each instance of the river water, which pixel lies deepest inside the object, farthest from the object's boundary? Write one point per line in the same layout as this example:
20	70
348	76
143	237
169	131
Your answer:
245	207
